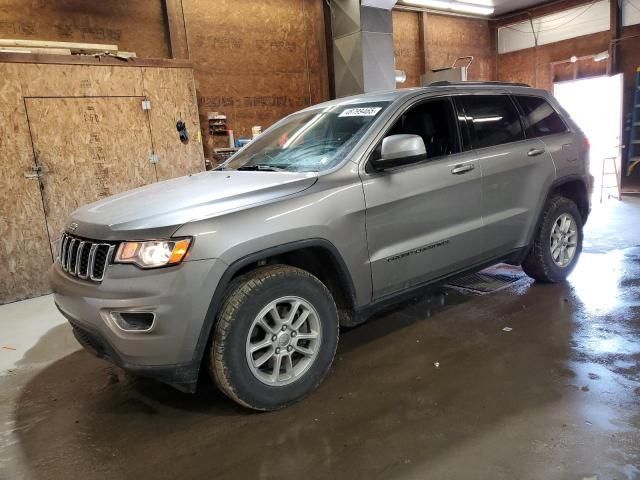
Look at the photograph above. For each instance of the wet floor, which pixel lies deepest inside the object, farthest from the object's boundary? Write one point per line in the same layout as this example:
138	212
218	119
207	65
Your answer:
531	382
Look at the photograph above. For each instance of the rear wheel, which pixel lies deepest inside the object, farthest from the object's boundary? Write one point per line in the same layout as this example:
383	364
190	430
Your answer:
275	337
558	242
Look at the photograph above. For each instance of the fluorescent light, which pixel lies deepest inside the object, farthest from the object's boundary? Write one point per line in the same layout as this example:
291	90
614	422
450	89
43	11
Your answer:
384	4
454	6
486	3
601	56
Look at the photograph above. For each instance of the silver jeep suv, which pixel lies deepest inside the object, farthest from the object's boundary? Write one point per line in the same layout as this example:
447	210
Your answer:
248	271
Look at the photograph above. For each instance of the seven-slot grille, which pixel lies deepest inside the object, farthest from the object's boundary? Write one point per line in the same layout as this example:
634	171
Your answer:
83	258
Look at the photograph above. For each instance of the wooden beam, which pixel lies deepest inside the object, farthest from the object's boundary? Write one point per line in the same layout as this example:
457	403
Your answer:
9	57
615	19
177	29
422	42
51	51
73	46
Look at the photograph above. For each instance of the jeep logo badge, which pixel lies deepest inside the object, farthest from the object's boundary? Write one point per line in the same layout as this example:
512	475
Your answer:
72	227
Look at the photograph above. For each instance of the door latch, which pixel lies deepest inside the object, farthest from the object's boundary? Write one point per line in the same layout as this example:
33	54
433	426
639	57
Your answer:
36	171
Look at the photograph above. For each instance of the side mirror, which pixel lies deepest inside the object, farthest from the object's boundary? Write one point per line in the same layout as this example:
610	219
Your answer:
398	150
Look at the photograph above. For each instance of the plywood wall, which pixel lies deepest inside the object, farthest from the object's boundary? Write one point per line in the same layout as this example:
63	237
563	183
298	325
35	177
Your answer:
24	249
407	46
256	61
173	97
533	66
448	37
85	123
137	26
444	38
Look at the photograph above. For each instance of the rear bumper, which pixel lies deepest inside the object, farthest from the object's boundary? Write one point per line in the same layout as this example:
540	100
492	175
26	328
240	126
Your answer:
178	297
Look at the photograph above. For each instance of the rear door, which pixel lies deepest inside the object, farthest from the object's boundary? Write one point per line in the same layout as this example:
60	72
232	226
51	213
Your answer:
424	220
515	170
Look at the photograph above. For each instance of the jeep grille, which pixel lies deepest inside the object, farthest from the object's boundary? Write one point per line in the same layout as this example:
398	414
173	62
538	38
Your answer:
83	258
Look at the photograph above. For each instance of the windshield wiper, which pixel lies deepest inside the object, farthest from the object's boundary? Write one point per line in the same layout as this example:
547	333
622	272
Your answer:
262	168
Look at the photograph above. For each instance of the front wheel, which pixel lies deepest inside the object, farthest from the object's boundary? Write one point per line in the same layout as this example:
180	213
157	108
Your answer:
557	244
275	337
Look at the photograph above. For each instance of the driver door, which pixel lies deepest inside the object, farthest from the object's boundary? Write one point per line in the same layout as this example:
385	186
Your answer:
424	220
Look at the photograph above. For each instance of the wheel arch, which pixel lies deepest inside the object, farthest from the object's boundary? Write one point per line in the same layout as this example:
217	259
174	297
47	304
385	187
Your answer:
573	187
318	256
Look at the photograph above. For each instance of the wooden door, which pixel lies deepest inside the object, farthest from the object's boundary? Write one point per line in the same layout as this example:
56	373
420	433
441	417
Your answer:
88	149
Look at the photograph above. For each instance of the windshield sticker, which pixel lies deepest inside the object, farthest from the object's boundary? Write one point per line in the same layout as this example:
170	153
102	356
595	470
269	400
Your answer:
361	112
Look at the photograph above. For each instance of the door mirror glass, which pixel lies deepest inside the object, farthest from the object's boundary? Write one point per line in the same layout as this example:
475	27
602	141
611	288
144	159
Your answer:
401	149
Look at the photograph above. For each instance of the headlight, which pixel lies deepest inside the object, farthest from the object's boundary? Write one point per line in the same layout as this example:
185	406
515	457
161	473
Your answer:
152	254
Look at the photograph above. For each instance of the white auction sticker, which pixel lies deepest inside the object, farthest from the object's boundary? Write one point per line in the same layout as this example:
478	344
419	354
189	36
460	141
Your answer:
361	112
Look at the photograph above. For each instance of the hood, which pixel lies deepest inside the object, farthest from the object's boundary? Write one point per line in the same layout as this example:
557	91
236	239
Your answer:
156	210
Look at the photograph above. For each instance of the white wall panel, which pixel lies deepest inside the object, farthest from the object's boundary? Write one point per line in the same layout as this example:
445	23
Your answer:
630	12
574	22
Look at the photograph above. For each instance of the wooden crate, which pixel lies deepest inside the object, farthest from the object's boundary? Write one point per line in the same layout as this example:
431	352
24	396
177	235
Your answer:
82	121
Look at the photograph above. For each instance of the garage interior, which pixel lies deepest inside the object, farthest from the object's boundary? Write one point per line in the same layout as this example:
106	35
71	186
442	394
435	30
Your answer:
519	380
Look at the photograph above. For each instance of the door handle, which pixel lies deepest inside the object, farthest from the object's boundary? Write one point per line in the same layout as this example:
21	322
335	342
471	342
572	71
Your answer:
534	152
460	169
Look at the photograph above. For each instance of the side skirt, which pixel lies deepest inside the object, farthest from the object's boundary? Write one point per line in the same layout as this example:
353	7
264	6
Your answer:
363	313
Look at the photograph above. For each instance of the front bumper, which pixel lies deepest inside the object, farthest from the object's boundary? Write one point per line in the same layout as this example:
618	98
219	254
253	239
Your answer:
179	297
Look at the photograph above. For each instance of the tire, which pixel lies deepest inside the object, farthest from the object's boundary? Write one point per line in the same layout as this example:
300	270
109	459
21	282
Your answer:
540	263
239	328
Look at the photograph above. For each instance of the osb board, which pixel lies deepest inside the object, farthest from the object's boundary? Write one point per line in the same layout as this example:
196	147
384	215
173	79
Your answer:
134	26
24	249
406	46
533	65
173	97
449	37
42	80
256	61
91	147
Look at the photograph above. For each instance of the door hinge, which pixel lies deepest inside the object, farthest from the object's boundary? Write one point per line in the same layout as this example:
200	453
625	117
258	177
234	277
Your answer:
146	105
154	158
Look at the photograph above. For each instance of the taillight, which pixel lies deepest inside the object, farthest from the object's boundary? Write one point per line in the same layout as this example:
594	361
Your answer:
585	143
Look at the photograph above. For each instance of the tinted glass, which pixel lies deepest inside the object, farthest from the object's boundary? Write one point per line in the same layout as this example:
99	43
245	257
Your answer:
434	121
494	120
541	118
308	141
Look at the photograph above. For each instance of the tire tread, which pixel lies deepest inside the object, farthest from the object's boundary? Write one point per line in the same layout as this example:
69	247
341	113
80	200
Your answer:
535	264
239	290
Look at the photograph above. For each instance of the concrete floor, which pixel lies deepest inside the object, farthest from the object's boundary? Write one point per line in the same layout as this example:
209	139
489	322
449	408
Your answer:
557	397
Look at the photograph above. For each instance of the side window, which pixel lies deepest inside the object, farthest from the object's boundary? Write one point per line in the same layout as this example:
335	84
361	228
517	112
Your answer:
540	117
434	121
494	120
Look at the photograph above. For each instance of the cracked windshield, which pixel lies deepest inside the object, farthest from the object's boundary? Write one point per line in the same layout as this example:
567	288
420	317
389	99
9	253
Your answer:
309	141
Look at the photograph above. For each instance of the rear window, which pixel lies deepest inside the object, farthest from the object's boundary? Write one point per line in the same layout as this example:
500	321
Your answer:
540	116
494	120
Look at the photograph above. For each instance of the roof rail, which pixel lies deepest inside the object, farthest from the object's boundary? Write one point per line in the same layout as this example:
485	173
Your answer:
447	83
